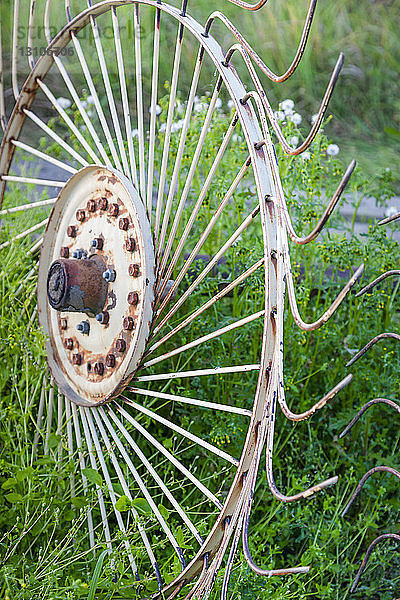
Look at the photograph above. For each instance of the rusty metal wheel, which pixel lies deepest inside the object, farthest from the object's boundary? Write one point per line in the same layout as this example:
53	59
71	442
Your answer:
140	326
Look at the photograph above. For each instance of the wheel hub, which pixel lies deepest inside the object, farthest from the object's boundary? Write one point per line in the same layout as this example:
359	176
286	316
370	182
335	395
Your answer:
95	286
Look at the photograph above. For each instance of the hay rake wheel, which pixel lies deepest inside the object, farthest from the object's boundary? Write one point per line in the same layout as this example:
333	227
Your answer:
117	270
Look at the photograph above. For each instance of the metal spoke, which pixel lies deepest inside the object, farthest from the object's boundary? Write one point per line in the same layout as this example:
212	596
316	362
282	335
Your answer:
24	233
193	401
70	442
153	116
46	157
205	338
50	405
139	101
33	181
24	207
198	373
181	431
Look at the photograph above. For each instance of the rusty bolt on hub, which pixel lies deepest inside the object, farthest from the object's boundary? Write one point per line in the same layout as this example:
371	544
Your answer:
103	317
103	204
64	252
99	368
133	298
130	244
134	270
113	210
64	323
80	253
76	359
109	275
69	343
80	215
91	206
83	327
71	231
128	323
110	360
124	224
120	345
98	243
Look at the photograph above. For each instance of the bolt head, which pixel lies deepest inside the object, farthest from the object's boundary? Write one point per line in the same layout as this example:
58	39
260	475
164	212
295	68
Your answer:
130	244
83	327
98	243
76	359
77	254
109	275
71	231
80	215
64	323
124	224
103	203
120	345
69	343
99	368
103	317
113	211
64	252
91	206
133	298
128	323
134	270
110	360
89	367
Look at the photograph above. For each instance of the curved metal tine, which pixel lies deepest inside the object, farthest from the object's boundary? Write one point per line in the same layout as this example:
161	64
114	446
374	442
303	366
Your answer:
172	459
362	481
39	419
14	56
205	338
72	90
231	557
248	6
3	117
375	340
228	195
125	487
139	100
138	478
36	246
255	57
192	401
55	137
168	126
190	436
189	179
198	373
364	408
92	435
100	496
210	265
270	113
93	92
269	461
389	219
109	93
70	442
196	208
82	464
160	483
378	280
20	236
45	157
182	140
153	115
226	290
124	94
49	421
381	538
203	574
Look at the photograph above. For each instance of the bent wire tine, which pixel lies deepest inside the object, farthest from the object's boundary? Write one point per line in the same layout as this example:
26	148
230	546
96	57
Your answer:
248	6
3	119
255	57
382	277
364	408
389	219
362	481
378	338
381	538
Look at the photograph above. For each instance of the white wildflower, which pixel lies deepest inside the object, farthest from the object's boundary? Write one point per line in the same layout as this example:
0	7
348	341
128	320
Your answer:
90	100
294	140
236	138
279	115
84	104
391	211
135	133
200	106
295	118
158	109
64	102
332	150
218	103
163	127
287	105
305	155
314	118
231	104
180	108
177	126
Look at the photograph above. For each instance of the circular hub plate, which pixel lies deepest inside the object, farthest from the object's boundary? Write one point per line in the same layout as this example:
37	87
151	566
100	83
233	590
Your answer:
97	221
